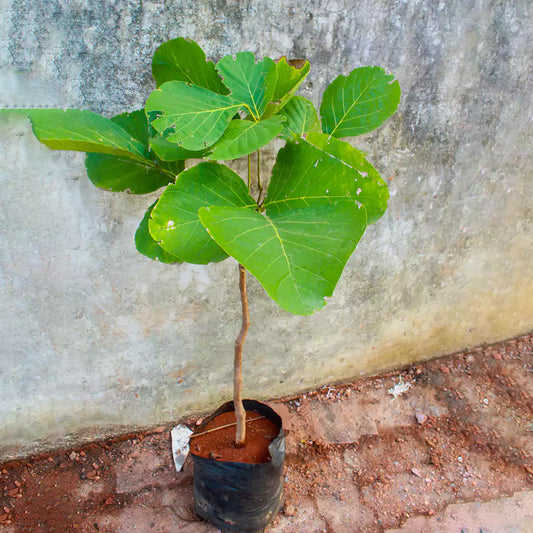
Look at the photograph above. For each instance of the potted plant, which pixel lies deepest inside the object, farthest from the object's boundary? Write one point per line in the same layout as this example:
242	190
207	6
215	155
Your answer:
295	237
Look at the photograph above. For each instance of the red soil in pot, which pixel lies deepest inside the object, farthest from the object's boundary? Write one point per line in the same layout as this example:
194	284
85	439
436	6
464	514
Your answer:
220	444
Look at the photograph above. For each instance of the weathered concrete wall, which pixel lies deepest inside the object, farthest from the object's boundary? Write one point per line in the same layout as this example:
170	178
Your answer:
94	338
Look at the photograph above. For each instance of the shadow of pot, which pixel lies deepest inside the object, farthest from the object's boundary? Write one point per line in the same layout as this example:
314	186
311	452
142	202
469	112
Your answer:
240	497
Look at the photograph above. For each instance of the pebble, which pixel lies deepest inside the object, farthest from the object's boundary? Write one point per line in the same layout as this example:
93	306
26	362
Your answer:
420	417
445	369
289	509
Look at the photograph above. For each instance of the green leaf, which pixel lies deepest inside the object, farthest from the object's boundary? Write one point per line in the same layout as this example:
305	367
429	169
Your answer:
136	124
301	118
169	151
119	173
191	116
312	222
290	75
244	137
297	256
115	173
82	131
360	102
370	189
251	83
146	245
175	224
183	60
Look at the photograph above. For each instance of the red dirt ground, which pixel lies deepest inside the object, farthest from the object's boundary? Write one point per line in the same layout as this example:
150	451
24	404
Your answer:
358	458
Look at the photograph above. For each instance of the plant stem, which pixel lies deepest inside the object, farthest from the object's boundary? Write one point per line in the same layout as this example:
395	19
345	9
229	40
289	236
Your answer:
240	413
249	171
259	184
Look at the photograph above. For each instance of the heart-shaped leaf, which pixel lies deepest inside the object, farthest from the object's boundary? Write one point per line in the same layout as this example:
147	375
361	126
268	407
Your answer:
244	137
312	222
183	60
119	173
359	102
251	83
191	116
175	224
301	118
147	246
82	131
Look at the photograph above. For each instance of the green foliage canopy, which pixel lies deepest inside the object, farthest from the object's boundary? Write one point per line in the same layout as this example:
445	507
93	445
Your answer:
322	193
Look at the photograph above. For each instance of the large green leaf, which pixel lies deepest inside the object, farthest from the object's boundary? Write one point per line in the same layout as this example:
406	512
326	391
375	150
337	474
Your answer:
359	102
370	189
146	245
244	137
183	60
298	256
115	173
191	116
82	131
290	75
301	118
251	83
175	224
119	173
297	249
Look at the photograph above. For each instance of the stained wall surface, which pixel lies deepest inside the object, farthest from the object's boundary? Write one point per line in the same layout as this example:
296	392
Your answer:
95	339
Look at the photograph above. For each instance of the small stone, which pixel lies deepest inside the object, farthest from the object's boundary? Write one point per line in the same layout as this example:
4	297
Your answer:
18	483
4	517
420	417
160	429
83	454
109	500
50	459
445	369
497	356
460	459
289	509
431	512
199	421
72	456
92	474
95	466
416	472
13	493
7	510
485	401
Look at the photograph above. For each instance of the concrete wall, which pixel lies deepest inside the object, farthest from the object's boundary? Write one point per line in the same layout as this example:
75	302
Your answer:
95	339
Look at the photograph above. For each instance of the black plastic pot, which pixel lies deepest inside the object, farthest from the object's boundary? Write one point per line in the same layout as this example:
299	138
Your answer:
240	497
